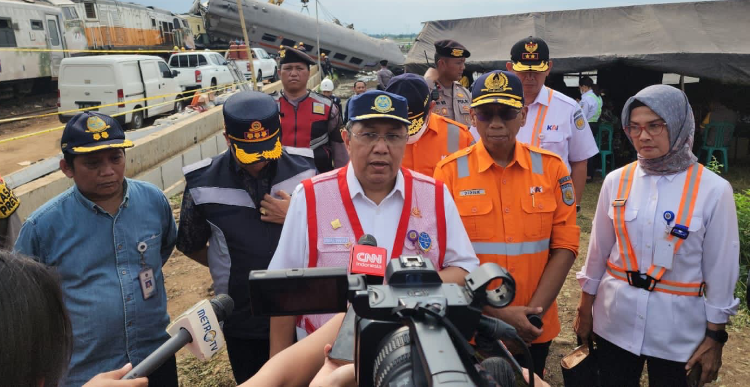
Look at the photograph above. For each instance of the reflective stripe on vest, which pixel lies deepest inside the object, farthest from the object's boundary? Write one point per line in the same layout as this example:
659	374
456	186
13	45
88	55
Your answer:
539	124
225	196
630	271
454	134
462	163
536	162
511	249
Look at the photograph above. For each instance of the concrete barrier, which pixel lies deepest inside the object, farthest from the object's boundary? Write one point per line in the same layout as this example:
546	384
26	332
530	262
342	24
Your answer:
157	158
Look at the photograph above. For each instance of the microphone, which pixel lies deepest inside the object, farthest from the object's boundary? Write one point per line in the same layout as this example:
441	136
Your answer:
500	370
197	328
367	258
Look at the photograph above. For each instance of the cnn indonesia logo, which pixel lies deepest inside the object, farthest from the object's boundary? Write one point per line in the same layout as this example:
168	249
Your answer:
370	260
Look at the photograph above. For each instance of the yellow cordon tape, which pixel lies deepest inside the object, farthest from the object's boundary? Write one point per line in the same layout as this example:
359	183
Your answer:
115	115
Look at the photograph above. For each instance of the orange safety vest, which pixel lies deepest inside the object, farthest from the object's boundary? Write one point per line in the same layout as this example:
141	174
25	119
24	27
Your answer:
653	277
442	138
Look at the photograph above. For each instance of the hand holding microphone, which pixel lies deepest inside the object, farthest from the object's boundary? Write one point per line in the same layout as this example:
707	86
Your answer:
197	328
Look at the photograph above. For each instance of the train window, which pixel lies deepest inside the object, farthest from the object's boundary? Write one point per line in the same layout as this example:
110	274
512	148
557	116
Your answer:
339	56
54	35
288	42
269	37
90	10
309	48
153	22
7	37
37	25
70	13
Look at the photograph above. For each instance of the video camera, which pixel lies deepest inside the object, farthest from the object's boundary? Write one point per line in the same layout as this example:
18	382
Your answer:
412	331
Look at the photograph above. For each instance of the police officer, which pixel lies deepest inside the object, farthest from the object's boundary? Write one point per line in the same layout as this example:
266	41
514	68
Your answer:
384	75
516	203
555	121
233	209
450	62
10	222
332	211
308	120
431	137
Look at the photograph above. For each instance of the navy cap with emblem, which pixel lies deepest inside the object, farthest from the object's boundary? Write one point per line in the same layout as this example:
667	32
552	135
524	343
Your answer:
375	104
451	48
251	121
90	132
288	55
498	86
414	88
530	55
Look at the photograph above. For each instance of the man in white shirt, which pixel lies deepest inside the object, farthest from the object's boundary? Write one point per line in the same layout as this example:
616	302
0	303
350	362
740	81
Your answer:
408	213
555	121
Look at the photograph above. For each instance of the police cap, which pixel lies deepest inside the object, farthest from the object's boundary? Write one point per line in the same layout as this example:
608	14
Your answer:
90	132
251	120
530	55
451	48
288	55
417	94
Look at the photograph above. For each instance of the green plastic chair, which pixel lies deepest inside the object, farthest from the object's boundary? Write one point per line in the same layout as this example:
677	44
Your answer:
606	150
719	129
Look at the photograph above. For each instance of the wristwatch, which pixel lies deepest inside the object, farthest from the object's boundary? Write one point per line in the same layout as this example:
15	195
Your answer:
720	336
578	208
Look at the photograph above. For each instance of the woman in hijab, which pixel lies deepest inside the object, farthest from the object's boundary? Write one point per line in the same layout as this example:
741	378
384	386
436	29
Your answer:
662	262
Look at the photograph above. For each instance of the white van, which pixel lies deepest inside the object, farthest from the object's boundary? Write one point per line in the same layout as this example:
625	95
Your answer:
99	80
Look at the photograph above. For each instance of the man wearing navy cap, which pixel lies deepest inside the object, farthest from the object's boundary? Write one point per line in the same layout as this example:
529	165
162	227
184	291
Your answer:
516	202
108	237
233	209
308	120
556	122
406	212
432	137
450	62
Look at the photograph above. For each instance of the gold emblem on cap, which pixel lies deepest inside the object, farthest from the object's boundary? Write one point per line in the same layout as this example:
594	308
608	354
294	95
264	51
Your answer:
282	53
531	47
383	104
496	82
257	132
97	126
457	53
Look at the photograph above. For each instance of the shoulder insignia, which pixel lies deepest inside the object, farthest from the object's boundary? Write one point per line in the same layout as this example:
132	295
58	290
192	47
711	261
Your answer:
8	201
196	166
579	120
568	195
565	180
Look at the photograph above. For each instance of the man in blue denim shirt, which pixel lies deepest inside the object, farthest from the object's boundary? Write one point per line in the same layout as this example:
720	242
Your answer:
108	238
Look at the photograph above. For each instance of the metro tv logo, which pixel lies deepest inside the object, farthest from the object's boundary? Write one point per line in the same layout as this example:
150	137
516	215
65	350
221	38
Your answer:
209	334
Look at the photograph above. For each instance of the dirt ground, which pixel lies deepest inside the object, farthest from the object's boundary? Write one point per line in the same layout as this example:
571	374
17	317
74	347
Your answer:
187	282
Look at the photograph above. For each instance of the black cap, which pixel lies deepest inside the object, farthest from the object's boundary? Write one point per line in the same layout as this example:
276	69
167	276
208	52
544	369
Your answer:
289	55
451	48
530	55
384	62
498	86
417	94
91	132
378	104
251	120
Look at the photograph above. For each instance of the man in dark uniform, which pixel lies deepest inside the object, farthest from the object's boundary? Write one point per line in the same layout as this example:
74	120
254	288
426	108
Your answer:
10	222
308	120
450	62
233	210
384	75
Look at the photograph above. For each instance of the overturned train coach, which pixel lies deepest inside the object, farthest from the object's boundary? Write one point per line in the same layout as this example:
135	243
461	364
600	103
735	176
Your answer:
36	35
270	26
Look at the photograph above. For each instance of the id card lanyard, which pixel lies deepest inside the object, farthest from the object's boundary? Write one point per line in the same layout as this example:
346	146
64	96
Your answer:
146	275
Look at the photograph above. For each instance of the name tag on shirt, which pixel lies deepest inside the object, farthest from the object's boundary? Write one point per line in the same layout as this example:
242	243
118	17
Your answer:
479	191
319	108
335	240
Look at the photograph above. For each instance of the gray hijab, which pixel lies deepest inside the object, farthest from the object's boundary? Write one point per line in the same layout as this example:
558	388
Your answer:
672	105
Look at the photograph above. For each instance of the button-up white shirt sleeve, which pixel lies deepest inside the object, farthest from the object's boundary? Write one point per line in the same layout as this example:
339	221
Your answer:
601	242
581	144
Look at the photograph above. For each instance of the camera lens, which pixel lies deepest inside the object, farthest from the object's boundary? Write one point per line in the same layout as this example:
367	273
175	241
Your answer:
393	362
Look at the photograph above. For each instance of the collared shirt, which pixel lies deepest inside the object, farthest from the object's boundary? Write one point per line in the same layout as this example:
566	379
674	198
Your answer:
516	214
662	325
379	220
96	256
590	106
454	102
560	129
441	138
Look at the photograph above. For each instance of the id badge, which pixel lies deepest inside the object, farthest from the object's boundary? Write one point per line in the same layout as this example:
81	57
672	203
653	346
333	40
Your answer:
148	286
663	253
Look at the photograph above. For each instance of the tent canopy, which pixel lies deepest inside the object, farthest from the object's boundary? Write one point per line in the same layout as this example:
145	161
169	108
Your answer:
709	39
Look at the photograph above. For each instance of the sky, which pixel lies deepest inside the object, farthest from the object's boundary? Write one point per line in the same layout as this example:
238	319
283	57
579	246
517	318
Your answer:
406	16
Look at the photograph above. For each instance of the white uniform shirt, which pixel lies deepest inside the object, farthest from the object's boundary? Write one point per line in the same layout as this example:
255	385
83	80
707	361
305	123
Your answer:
560	134
589	105
657	324
379	220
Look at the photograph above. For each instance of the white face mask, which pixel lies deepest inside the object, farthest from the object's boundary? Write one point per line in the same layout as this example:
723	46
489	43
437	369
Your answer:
415	137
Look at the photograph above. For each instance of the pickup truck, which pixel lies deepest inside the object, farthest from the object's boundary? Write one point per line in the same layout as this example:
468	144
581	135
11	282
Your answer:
265	66
200	69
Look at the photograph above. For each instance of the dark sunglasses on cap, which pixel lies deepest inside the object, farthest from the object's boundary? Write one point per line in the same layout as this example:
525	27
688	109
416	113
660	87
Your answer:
486	114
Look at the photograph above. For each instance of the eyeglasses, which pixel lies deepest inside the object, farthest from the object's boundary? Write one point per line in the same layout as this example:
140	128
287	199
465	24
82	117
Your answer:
505	113
653	129
370	138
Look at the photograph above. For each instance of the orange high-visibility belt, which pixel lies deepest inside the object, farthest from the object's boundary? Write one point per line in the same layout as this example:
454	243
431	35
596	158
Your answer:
538	124
653	277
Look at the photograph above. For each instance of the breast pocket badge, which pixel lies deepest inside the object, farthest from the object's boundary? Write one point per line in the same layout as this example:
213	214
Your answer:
319	108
